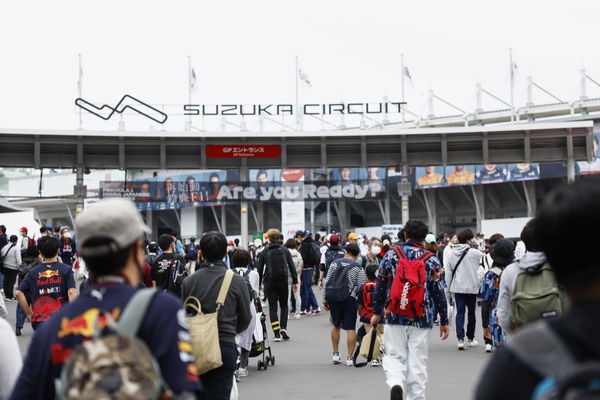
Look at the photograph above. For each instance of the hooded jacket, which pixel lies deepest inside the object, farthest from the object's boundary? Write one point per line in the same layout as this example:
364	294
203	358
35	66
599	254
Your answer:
465	278
508	282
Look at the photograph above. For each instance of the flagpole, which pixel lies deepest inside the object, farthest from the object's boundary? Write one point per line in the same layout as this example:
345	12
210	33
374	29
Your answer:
297	99
512	85
189	122
402	109
79	89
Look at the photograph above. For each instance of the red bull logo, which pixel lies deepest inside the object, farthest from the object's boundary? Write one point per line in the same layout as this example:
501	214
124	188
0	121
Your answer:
83	325
49	273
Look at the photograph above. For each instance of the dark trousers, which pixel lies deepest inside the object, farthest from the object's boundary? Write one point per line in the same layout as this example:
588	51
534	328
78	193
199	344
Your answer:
277	293
463	301
217	383
10	277
244	354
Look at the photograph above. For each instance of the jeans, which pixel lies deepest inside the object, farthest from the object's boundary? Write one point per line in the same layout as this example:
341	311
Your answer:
405	362
20	318
277	293
306	292
218	382
465	301
2	280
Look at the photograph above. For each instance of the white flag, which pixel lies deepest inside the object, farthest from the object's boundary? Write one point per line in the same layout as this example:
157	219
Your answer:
514	71
80	80
193	81
303	77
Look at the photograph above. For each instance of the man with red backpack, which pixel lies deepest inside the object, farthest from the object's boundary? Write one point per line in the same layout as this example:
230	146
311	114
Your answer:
409	285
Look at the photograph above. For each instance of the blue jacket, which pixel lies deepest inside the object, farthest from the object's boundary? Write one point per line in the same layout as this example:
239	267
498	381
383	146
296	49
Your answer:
434	287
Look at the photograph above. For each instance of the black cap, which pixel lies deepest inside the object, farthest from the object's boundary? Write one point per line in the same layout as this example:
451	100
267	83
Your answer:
299	234
503	252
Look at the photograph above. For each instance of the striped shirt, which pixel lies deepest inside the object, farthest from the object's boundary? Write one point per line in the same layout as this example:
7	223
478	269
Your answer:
356	275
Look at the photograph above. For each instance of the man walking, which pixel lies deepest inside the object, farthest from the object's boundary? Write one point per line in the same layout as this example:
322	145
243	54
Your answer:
311	257
275	265
340	297
407	328
234	316
463	284
11	257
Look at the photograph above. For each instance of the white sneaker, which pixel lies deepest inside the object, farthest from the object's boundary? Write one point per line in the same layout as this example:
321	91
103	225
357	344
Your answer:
349	362
375	363
336	358
473	343
461	344
488	348
297	315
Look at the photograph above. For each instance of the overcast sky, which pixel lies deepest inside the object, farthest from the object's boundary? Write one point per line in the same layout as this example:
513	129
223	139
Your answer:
243	52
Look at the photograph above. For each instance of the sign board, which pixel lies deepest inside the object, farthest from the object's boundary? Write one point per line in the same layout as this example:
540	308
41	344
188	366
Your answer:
391	230
243	151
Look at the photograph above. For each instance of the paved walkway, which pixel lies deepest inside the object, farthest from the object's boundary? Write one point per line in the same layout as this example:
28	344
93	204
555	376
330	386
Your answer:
303	367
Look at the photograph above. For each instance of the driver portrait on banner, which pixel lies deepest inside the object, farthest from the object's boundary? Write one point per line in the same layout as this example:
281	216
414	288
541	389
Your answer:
430	177
460	176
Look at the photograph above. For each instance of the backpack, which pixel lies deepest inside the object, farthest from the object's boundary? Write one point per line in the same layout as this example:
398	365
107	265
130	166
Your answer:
276	265
191	253
117	365
177	274
331	255
338	288
368	297
542	350
246	276
407	295
536	295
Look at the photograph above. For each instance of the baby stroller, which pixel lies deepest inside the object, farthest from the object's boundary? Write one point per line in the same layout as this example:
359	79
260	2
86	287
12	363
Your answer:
261	344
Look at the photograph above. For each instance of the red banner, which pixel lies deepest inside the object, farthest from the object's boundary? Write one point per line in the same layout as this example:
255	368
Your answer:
243	151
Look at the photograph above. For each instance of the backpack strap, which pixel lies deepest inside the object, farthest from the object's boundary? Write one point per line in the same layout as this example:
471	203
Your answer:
400	253
539	348
224	288
134	312
425	256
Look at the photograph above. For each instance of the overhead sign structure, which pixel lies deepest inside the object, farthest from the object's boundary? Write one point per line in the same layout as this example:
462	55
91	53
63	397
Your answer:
243	151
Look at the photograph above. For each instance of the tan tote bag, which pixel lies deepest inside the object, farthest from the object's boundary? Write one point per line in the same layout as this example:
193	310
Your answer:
204	329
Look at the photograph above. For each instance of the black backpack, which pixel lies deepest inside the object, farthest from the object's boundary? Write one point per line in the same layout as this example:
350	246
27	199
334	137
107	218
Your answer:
177	274
276	265
543	351
338	286
246	276
331	255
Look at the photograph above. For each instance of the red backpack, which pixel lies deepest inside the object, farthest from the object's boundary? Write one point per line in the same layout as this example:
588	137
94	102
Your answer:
368	295
407	296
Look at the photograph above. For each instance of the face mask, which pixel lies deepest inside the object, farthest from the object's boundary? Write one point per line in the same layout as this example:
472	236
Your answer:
375	250
67	235
229	248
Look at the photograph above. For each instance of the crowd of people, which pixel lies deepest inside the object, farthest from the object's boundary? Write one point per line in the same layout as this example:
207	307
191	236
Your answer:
539	301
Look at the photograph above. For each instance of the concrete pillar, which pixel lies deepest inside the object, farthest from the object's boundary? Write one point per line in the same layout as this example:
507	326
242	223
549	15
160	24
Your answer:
479	200
244	208
80	190
224	220
430	202
404	191
530	197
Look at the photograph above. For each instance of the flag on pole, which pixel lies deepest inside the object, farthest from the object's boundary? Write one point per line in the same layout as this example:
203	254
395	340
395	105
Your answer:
193	81
80	79
514	70
407	74
303	77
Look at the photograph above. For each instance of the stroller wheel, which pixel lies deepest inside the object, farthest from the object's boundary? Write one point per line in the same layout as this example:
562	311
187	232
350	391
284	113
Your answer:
272	360
266	365
260	365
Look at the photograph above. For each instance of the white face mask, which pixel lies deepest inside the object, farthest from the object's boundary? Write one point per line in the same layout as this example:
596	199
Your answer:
375	250
229	248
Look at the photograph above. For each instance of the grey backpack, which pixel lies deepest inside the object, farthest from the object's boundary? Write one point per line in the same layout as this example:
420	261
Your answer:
543	351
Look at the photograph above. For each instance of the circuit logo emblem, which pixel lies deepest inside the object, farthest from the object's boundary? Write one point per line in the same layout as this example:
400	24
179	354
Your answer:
127	102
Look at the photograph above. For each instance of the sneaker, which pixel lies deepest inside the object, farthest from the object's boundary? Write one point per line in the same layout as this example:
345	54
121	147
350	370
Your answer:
336	358
396	393
10	299
473	343
349	362
375	363
461	344
277	337
284	335
18	331
316	312
302	313
488	348
297	315
242	372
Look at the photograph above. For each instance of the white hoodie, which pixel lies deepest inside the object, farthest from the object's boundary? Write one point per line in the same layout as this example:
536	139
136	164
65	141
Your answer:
508	280
466	280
